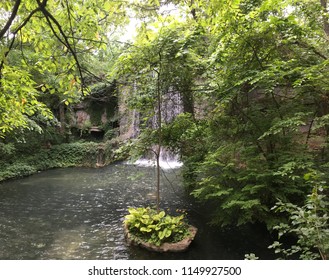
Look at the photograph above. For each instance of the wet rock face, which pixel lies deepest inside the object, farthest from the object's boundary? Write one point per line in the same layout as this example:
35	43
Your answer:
176	247
81	117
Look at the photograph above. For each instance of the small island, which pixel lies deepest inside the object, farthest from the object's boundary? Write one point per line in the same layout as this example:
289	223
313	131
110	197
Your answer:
158	231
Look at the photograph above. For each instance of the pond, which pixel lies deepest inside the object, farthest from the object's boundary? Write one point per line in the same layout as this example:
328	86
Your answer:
77	213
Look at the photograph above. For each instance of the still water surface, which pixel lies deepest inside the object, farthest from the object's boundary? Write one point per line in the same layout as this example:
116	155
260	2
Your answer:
77	213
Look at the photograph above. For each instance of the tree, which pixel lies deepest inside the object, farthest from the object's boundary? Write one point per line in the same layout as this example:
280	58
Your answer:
43	44
267	64
162	64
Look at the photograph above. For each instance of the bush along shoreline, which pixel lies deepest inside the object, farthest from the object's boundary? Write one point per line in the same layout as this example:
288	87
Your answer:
16	163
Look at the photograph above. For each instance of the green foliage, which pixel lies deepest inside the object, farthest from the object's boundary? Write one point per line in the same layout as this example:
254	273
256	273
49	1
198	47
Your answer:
165	57
46	48
85	126
230	171
309	223
18	100
72	154
26	159
251	256
266	105
16	170
251	76
102	100
155	227
6	150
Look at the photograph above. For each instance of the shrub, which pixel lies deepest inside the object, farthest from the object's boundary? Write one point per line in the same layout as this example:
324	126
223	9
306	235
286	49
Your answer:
6	150
309	223
18	169
23	162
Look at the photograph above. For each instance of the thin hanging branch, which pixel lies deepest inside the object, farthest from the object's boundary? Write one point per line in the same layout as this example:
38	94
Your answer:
311	48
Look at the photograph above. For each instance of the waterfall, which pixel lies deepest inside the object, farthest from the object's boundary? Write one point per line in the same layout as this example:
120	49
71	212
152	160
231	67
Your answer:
168	160
171	107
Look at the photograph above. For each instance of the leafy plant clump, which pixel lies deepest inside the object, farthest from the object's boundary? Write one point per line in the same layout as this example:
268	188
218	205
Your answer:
309	223
154	227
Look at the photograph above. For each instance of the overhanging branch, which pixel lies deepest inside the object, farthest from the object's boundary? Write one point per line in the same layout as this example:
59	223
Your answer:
65	41
11	19
18	29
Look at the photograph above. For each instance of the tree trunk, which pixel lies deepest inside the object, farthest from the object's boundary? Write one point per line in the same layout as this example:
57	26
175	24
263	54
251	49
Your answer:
188	102
159	115
62	118
324	4
158	178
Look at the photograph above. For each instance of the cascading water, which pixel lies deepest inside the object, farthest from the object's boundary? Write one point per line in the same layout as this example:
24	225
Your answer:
171	106
168	160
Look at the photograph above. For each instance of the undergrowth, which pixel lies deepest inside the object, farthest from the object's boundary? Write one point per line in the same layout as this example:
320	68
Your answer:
18	162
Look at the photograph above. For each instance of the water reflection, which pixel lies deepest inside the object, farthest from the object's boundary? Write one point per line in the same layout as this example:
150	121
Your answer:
77	213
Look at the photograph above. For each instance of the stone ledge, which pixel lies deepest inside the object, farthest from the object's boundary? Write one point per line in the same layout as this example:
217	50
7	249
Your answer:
180	246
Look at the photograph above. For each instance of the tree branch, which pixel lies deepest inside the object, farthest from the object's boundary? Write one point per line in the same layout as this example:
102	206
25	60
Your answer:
86	39
312	48
18	29
65	41
70	21
11	19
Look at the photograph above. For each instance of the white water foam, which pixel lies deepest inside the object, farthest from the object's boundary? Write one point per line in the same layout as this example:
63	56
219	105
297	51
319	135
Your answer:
164	164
